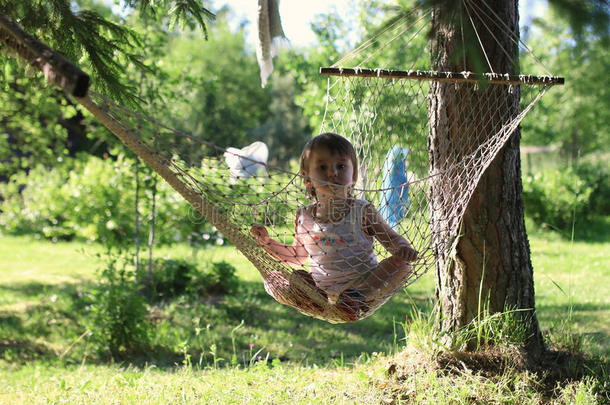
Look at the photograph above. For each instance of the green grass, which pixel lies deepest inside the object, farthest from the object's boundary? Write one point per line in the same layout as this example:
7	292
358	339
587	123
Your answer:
45	355
572	281
263	384
42	316
28	260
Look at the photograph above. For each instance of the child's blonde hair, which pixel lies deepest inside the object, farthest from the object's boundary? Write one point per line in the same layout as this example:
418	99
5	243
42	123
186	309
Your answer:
335	144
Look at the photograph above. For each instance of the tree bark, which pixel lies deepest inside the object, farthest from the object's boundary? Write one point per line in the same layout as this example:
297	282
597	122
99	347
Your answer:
493	245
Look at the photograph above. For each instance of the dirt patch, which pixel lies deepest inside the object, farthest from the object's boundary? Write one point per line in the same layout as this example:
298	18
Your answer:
550	369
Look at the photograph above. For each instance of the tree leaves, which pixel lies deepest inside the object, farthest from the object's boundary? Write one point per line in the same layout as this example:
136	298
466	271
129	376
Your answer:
92	40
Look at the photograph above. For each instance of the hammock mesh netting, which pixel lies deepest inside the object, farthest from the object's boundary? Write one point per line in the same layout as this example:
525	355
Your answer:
388	123
410	185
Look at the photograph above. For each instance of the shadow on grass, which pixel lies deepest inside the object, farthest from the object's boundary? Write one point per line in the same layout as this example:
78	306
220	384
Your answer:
278	330
38	317
575	307
21	350
42	317
561	319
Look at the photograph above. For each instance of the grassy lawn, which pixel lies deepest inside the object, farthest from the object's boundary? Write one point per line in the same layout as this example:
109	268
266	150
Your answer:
45	355
572	281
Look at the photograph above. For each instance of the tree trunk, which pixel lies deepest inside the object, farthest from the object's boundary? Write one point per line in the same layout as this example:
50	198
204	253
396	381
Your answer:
493	244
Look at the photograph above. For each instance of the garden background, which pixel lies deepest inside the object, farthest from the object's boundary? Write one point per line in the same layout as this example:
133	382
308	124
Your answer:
105	287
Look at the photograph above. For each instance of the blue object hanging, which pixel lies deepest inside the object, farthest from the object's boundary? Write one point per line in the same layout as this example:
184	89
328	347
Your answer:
394	199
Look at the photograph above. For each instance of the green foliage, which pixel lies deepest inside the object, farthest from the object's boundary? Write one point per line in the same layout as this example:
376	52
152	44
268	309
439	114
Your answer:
216	278
171	278
89	199
101	43
93	38
589	16
558	198
41	126
118	321
596	175
30	130
217	94
211	90
167	279
185	12
93	199
286	130
573	117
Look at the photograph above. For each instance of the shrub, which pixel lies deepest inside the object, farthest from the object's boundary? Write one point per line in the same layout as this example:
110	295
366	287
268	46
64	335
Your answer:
175	277
93	199
169	278
89	199
596	175
118	319
217	278
557	198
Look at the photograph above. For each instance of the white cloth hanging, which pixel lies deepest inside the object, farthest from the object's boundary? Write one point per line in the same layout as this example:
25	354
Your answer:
248	161
270	36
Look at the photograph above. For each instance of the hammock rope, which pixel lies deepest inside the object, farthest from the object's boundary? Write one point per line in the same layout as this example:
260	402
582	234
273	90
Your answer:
358	106
403	188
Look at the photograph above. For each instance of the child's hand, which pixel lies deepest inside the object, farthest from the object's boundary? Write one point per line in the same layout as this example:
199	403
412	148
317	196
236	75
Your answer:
260	233
407	253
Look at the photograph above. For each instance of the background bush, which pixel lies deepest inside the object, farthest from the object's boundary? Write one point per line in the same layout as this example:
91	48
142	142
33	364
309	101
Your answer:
170	278
118	321
560	197
216	278
596	174
93	199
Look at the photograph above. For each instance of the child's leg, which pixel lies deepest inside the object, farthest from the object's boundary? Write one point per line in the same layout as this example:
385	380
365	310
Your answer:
388	276
277	285
304	301
287	288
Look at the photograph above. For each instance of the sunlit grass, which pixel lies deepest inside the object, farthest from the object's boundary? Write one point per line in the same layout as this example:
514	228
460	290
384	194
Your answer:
25	259
368	381
572	281
279	355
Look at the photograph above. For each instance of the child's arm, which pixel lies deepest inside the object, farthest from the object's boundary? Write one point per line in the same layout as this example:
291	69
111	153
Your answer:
295	255
395	244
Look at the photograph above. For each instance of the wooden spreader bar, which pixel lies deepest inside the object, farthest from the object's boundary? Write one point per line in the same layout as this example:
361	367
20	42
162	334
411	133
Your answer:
455	77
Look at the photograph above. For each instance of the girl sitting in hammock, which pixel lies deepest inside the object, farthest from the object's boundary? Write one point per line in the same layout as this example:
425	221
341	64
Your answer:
336	233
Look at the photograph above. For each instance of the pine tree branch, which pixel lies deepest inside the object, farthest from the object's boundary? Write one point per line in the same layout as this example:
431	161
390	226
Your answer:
56	68
86	37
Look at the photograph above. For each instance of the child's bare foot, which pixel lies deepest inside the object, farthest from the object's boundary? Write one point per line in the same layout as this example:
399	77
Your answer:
353	303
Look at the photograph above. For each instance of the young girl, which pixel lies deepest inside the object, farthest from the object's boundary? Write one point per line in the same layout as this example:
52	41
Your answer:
336	233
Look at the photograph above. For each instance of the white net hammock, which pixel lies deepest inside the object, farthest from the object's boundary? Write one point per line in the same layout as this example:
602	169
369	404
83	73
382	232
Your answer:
388	123
407	185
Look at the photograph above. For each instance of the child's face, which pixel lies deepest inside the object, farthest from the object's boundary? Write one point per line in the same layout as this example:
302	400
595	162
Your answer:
325	166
